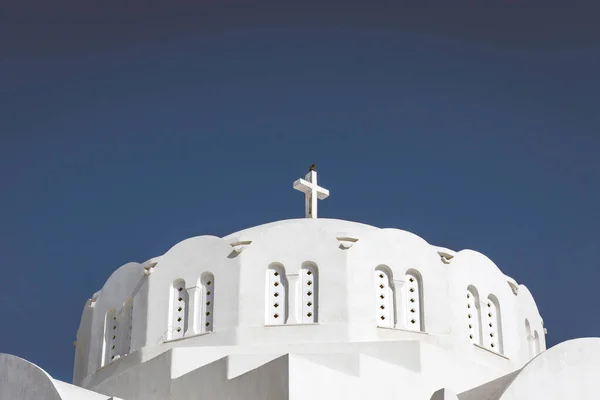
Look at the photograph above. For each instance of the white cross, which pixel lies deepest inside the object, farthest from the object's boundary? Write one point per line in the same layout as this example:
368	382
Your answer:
312	192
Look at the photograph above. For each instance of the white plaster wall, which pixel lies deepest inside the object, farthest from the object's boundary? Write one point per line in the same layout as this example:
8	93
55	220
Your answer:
400	251
406	369
188	260
83	344
412	369
527	309
473	268
68	391
291	245
124	282
22	380
409	368
148	381
346	298
569	370
269	382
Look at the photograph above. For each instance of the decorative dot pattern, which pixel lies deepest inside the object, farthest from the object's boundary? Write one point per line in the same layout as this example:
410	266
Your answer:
208	301
179	299
309	287
385	297
413	310
473	317
276	313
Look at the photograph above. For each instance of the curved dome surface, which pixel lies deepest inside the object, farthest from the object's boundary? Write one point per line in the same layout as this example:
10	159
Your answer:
306	281
326	224
568	370
21	379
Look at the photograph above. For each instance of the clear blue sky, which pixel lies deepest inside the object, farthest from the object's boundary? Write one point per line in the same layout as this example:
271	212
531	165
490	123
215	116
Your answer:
125	130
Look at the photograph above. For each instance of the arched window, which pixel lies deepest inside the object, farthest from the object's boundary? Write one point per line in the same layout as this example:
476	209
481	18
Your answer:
178	310
309	283
125	324
493	326
277	295
530	339
473	315
414	301
385	300
208	301
536	343
111	330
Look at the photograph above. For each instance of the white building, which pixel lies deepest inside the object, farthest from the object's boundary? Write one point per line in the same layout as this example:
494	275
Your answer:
313	309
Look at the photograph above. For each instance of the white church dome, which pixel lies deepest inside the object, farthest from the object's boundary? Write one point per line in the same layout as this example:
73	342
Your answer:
309	283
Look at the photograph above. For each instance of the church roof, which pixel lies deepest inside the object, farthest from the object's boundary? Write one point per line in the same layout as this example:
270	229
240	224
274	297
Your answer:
302	281
324	224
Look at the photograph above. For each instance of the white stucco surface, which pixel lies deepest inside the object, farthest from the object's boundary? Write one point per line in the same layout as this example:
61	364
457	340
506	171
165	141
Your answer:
569	370
310	309
22	380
